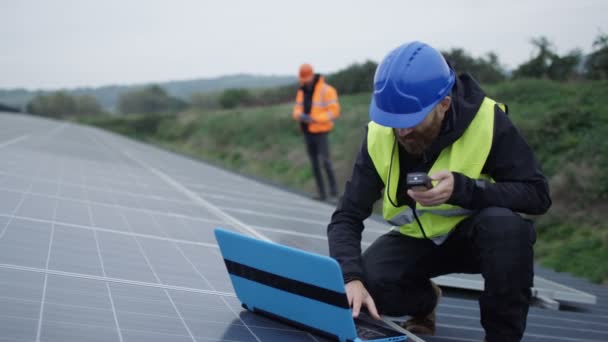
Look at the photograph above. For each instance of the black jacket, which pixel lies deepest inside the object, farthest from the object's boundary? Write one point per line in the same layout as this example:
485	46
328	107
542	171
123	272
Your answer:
520	184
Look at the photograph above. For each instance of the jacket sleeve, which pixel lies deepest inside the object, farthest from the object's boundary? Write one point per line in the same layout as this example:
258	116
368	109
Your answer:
332	107
298	107
519	182
362	190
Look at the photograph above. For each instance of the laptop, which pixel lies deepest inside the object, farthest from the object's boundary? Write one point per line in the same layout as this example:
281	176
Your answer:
296	287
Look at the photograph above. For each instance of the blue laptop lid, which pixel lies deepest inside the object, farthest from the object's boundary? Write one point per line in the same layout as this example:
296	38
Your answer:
295	285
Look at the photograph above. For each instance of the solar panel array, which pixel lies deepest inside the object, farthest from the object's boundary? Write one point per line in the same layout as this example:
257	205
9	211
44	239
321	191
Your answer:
106	239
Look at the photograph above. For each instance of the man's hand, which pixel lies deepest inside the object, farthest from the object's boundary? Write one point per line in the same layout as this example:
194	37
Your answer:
357	295
304	118
439	194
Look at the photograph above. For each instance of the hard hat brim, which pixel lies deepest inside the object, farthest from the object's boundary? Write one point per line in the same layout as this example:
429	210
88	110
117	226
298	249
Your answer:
399	120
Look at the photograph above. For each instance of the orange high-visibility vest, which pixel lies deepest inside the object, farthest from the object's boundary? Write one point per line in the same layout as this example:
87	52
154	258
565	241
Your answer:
324	110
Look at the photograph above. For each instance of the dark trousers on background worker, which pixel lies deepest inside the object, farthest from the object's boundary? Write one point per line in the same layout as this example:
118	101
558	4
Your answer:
495	242
317	146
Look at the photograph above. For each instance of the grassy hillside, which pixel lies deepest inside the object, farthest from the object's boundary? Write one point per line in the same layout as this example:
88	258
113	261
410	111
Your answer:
107	96
565	123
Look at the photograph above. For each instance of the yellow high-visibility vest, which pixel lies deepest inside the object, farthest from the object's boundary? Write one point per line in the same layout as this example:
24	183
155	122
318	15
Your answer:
467	155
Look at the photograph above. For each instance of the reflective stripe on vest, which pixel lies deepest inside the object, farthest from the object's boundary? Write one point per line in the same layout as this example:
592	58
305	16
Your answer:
321	103
407	215
467	155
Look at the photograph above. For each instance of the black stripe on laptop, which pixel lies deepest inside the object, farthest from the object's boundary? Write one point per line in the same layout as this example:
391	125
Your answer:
289	285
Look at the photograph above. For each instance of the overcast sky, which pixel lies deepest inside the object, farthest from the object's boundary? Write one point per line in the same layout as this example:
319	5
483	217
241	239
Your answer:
62	43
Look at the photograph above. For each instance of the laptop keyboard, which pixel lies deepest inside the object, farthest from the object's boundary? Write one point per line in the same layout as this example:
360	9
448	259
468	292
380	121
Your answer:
368	333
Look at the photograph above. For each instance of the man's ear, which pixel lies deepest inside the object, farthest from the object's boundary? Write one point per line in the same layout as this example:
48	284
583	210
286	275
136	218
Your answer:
445	103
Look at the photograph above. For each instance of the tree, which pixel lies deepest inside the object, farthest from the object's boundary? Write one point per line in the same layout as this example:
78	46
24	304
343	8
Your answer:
485	69
356	78
5	108
538	66
234	97
275	95
597	62
206	101
149	100
60	104
548	64
565	67
87	105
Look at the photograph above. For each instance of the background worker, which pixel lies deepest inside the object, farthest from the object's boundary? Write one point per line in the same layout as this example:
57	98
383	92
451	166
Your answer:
315	109
425	119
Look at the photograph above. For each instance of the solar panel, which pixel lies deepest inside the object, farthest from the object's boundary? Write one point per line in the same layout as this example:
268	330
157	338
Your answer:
107	239
543	288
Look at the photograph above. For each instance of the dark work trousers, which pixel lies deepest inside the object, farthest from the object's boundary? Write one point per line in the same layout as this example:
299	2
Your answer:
317	146
495	242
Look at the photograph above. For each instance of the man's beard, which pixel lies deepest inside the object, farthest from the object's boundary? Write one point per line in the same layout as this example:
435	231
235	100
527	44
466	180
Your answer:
417	143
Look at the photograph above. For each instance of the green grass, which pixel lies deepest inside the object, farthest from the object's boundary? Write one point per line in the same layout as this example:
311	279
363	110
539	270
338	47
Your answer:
573	247
565	123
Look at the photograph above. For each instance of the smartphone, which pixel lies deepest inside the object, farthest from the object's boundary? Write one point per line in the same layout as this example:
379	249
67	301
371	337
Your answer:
419	181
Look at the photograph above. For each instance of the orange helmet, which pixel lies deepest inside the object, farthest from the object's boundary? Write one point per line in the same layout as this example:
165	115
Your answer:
306	73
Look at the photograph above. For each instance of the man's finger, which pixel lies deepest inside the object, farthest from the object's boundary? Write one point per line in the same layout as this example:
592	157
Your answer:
440	175
371	307
356	306
349	297
438	198
429	201
425	195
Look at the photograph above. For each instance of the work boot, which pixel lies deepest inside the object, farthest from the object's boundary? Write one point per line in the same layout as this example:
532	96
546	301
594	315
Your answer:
424	325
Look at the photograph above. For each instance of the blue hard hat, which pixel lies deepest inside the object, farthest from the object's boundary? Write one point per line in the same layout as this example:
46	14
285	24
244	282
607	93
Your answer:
409	82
